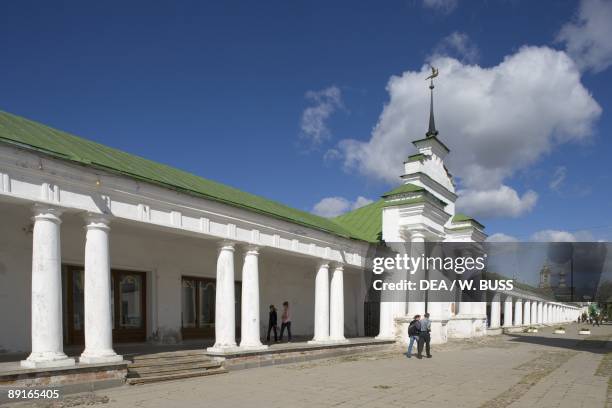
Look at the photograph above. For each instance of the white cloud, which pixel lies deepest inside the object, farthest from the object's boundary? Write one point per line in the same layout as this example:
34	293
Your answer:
331	155
501	237
587	38
314	118
334	206
551	235
457	44
496	120
500	202
558	178
361	202
547	235
442	5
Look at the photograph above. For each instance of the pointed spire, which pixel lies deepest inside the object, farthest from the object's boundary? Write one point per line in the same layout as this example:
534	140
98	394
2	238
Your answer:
431	132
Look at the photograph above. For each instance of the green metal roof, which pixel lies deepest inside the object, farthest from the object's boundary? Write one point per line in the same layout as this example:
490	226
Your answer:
415	157
464	218
16	130
461	218
405	201
364	222
404	188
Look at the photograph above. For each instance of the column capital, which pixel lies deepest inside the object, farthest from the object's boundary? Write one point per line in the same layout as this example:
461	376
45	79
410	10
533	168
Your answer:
251	250
323	264
338	267
96	221
47	212
227	246
417	236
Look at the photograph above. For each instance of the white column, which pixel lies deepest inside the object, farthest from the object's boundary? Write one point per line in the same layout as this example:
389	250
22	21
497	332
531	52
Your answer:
417	249
249	326
527	313
336	306
465	308
562	316
386	330
393	307
534	313
495	311
548	317
508	311
518	312
98	316
540	312
552	314
322	297
47	336
225	313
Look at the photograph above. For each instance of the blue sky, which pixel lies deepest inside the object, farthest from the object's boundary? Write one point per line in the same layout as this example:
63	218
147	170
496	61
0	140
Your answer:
221	90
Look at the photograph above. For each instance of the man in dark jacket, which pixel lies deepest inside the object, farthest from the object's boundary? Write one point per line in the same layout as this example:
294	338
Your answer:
414	329
273	323
424	336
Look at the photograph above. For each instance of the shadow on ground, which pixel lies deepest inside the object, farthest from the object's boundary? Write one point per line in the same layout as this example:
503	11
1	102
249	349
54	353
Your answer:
593	344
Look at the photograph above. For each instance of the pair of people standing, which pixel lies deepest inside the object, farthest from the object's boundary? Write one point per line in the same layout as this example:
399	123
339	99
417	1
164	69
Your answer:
285	322
419	331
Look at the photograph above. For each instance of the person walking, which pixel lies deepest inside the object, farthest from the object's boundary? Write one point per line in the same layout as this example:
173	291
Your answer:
424	336
273	323
414	329
286	321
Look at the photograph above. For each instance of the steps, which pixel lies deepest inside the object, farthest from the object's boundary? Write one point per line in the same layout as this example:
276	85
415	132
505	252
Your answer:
174	365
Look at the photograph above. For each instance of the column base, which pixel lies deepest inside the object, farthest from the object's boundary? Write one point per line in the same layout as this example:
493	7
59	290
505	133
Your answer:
253	347
99	358
47	360
338	341
384	337
223	349
321	341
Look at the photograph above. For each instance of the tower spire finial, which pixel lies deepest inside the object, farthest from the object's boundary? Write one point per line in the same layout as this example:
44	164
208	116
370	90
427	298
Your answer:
431	132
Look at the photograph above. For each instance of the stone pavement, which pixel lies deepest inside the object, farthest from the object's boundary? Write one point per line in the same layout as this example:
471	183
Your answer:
514	371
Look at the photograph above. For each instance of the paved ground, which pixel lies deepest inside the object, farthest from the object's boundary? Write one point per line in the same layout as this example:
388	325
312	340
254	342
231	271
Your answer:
535	370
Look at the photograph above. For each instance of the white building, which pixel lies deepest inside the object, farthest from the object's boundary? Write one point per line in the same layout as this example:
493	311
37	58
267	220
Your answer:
98	247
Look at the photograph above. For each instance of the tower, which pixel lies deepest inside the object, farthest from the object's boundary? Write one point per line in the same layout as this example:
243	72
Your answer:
420	210
425	202
545	275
